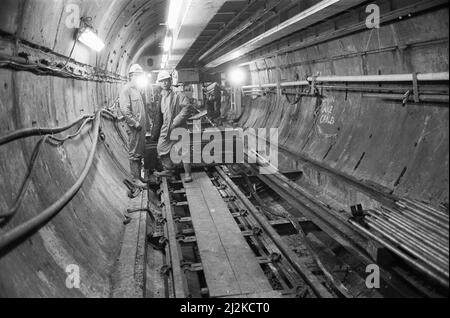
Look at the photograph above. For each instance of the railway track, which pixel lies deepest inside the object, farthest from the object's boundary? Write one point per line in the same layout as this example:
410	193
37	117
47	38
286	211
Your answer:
216	243
219	238
366	248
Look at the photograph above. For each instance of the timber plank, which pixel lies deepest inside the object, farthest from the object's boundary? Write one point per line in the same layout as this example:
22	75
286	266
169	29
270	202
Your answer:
225	247
218	272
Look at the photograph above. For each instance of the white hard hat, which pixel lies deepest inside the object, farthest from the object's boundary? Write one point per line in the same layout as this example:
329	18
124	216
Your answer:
136	68
163	75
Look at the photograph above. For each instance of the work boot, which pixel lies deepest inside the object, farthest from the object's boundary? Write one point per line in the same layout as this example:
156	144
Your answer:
135	166
187	173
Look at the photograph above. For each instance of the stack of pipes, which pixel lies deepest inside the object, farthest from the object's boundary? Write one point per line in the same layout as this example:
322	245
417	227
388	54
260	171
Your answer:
417	230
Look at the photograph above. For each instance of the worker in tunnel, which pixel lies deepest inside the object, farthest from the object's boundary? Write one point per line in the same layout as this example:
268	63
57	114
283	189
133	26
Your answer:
213	94
132	106
174	111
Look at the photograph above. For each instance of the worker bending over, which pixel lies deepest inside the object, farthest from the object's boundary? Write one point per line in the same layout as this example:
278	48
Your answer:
175	109
133	109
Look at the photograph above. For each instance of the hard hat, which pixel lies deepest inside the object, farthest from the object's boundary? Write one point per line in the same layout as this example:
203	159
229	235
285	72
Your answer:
163	75
135	68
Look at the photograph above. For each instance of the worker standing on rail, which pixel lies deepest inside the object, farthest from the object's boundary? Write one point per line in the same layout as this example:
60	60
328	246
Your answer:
132	106
175	109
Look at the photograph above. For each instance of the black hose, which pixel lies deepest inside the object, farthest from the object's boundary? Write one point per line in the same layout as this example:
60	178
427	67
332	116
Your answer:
28	132
60	141
26	182
34	224
52	140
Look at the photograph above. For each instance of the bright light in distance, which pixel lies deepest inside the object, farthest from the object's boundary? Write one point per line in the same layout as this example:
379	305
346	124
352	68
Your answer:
237	76
89	38
174	13
165	58
167	43
163	65
142	81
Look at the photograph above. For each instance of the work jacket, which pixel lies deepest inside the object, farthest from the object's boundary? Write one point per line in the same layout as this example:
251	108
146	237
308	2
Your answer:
174	111
132	106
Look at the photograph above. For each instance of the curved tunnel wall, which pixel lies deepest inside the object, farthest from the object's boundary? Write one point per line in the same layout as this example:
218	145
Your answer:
401	150
93	220
88	231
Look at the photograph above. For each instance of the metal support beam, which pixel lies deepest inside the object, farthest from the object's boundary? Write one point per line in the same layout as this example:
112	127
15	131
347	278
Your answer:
197	16
314	14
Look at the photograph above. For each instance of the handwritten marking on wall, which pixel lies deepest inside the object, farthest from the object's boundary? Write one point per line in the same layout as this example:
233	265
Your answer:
326	115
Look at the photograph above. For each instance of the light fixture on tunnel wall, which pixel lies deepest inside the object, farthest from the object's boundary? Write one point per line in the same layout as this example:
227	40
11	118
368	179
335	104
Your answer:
237	76
88	36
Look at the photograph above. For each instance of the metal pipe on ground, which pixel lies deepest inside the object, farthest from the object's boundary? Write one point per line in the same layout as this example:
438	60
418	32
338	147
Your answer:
418	265
432	268
406	202
425	252
432	241
432	225
414	228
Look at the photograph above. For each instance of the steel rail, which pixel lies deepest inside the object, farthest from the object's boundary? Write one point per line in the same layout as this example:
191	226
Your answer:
292	258
352	247
179	280
294	186
337	286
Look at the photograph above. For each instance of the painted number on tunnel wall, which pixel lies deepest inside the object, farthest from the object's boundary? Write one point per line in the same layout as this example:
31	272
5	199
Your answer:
73	276
326	115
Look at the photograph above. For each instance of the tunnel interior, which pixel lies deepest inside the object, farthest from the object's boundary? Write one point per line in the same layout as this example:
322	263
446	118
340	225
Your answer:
358	131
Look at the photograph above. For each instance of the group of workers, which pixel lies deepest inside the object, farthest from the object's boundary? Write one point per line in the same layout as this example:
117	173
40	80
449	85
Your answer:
172	111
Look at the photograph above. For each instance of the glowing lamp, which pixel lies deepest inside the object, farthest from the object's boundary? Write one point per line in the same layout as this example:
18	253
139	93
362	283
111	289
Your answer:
142	81
237	76
88	37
